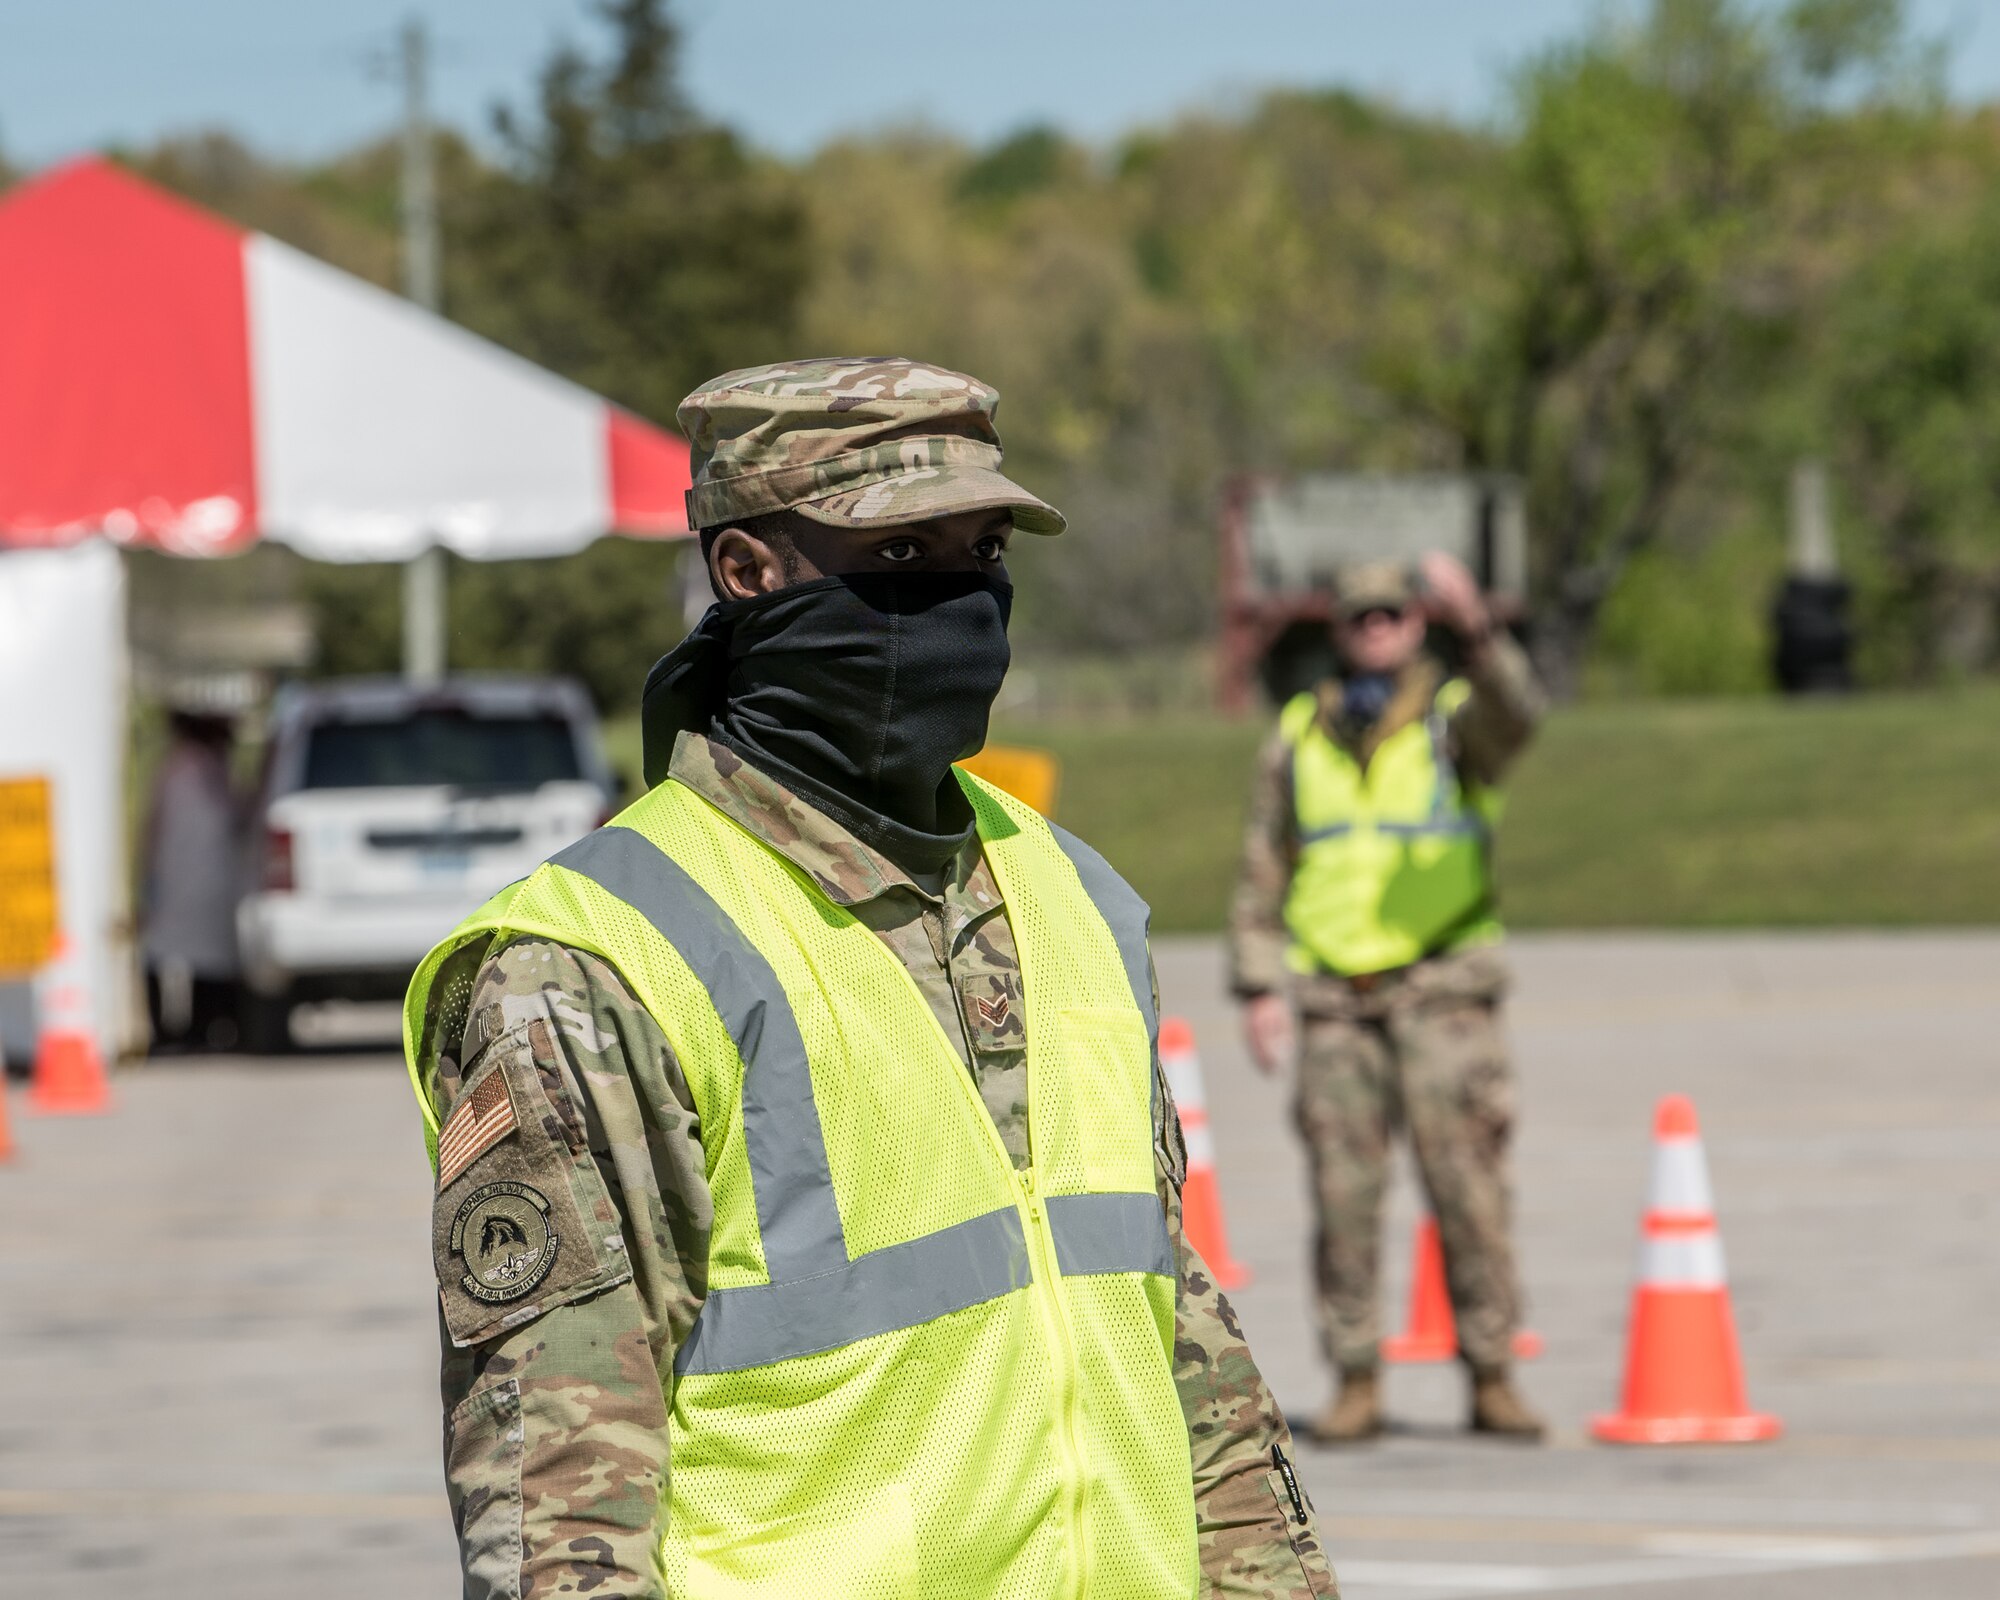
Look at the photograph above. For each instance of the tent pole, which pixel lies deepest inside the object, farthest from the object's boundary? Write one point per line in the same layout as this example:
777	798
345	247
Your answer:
423	617
423	576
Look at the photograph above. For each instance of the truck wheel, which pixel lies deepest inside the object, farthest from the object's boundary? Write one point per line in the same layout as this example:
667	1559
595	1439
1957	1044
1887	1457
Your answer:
265	1021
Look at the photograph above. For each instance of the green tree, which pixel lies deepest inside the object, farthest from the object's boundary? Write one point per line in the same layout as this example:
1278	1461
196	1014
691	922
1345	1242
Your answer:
1013	263
626	242
343	211
1713	236
633	247
1915	394
623	242
1653	275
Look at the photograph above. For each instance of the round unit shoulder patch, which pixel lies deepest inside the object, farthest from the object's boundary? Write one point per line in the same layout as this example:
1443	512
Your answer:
503	1236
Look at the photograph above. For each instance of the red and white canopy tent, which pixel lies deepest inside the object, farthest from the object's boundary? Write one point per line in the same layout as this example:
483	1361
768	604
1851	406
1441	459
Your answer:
169	380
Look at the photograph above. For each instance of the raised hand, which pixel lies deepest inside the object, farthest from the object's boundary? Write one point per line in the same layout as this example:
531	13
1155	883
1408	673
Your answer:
1454	594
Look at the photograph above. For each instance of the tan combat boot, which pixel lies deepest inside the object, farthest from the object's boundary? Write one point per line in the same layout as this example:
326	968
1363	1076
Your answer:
1498	1409
1356	1413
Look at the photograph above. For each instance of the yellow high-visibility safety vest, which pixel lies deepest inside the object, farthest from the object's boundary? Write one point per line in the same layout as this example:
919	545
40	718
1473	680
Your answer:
917	1372
1393	861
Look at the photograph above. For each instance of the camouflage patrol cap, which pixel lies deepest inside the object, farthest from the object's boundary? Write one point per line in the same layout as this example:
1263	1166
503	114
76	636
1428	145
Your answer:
854	442
1373	586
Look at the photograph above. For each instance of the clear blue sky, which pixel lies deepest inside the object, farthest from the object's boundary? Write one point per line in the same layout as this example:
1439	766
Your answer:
293	76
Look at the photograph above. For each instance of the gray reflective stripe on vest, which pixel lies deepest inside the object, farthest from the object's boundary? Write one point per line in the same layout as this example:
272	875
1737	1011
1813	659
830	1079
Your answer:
1465	822
818	1299
796	1212
1450	815
1110	1233
1450	827
903	1285
1449	811
1441	763
1127	916
884	1291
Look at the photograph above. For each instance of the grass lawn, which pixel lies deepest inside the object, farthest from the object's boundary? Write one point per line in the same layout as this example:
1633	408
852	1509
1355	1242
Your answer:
1879	810
1725	813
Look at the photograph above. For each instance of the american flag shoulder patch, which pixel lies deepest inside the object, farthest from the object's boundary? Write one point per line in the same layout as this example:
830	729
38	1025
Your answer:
483	1118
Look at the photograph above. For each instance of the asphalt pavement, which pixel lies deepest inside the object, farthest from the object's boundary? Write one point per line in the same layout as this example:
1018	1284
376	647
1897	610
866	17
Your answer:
217	1331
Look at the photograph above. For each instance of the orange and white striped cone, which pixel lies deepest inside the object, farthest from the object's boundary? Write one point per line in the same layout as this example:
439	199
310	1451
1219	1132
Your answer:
1201	1201
69	1070
1430	1329
1683	1370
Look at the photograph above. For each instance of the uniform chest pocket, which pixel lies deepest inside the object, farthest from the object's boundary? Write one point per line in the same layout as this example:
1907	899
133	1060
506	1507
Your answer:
1107	1080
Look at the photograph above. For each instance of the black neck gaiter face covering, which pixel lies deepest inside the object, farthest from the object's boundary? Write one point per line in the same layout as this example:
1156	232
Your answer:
857	693
1365	696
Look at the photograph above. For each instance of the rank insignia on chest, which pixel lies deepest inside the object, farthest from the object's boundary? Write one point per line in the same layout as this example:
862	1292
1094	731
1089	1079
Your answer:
990	1004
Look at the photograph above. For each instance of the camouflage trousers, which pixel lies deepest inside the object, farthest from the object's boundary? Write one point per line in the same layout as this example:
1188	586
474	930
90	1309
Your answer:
1422	1051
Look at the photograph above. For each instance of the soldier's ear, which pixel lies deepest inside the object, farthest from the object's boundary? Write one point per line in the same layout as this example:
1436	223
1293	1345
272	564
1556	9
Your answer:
741	566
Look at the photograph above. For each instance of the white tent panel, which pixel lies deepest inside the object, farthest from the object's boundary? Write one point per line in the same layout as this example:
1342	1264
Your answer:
382	429
62	717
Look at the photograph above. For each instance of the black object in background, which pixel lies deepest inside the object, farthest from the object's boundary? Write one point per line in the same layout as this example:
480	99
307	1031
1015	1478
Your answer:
1813	651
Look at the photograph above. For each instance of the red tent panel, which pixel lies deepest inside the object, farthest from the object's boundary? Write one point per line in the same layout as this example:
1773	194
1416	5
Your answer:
122	321
167	378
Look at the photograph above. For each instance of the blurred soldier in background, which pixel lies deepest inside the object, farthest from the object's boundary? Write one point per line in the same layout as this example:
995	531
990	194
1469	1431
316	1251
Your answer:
803	1124
189	882
1366	899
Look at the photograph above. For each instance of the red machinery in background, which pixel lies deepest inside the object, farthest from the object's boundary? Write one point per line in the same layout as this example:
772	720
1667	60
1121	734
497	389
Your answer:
1284	540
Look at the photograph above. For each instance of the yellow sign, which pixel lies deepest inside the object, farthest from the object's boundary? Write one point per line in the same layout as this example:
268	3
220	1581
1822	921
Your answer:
1032	776
27	876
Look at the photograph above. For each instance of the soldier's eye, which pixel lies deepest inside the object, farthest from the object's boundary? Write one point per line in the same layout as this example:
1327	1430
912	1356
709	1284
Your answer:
901	550
990	548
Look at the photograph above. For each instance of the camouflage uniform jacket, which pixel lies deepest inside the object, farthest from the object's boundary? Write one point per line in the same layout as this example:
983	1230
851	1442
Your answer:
556	1442
1484	735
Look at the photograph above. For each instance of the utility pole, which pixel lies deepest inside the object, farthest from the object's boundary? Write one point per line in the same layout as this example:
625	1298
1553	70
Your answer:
1810	549
424	574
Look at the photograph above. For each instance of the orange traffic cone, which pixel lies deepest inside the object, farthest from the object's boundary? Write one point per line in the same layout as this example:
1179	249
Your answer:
1430	1331
69	1071
1201	1201
1683	1371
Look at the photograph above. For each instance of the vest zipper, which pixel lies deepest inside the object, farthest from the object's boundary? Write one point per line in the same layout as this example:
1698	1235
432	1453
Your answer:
1046	1275
1069	1424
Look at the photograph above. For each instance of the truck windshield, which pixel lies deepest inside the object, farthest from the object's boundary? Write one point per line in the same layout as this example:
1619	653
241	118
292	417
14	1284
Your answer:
442	747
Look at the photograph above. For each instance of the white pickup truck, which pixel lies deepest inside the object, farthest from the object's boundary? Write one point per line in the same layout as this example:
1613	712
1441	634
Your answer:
388	811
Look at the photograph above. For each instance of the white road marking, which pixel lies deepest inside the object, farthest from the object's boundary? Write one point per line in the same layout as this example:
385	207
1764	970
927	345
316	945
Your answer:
1711	1006
1677	1512
183	1504
1446	1577
1468	1580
